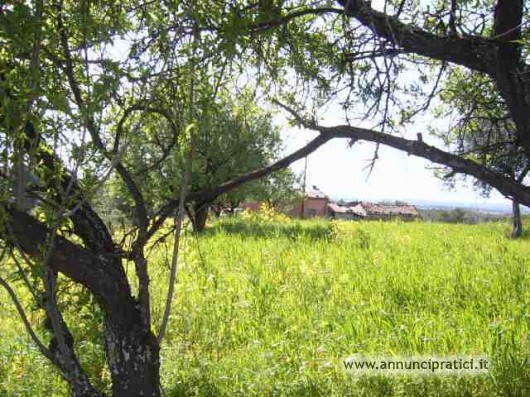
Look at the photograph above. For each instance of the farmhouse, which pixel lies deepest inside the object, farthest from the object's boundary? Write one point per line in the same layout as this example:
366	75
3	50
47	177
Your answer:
315	204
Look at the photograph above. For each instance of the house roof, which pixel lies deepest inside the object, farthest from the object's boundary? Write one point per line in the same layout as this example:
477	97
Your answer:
364	209
315	192
342	209
389	209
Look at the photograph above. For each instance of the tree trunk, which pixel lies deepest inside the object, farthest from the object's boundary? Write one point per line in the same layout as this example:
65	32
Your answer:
200	214
517	230
132	355
217	210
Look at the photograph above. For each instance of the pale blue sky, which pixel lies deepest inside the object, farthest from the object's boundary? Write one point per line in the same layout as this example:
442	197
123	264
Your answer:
338	171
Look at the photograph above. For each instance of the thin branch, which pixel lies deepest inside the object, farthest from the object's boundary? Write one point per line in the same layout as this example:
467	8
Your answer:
24	275
523	174
140	207
427	103
148	109
299	119
266	25
43	349
175	256
452	17
106	175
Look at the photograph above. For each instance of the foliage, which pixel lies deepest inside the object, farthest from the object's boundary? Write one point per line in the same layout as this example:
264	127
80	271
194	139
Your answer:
266	213
230	137
278	191
482	129
456	215
233	137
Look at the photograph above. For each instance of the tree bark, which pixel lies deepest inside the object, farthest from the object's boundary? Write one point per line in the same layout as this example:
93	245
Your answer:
498	56
473	52
133	355
200	215
517	221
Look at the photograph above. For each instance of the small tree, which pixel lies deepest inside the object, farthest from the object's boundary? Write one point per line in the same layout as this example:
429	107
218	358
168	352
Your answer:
232	137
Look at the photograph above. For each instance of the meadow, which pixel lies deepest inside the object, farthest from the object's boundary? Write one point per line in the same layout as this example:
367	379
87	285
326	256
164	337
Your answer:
271	308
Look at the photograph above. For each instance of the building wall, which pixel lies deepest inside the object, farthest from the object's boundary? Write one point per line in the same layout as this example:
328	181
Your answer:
313	207
253	206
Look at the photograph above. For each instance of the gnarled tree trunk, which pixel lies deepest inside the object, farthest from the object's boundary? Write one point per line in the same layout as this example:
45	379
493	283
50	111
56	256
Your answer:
132	349
133	356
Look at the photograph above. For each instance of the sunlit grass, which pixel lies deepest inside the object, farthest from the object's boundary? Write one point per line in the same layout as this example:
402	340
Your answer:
268	308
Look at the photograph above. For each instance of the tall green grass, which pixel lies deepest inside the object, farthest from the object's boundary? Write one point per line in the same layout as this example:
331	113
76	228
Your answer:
266	308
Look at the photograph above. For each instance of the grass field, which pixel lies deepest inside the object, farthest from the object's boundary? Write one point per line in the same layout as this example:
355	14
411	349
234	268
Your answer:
267	308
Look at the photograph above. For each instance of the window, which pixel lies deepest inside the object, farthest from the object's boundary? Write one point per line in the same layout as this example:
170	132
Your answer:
310	212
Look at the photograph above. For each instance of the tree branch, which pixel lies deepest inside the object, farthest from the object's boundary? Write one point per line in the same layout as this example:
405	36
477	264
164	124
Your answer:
43	349
469	51
523	174
147	109
87	224
62	343
107	283
176	243
508	20
507	32
141	210
503	184
284	20
212	194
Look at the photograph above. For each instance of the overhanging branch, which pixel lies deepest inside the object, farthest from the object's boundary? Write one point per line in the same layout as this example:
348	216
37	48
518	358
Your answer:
469	51
503	184
211	194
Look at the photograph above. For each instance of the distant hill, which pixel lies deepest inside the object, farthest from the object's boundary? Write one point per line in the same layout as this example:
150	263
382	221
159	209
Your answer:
499	208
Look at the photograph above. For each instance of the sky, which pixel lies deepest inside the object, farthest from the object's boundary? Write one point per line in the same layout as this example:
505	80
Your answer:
340	172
